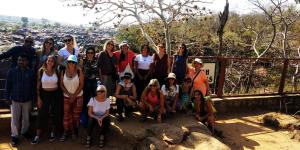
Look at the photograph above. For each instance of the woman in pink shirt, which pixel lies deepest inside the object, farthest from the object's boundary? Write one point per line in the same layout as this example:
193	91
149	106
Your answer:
152	101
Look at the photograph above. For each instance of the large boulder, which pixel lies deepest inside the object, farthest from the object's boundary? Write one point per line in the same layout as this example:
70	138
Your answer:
167	132
201	141
197	127
152	143
296	135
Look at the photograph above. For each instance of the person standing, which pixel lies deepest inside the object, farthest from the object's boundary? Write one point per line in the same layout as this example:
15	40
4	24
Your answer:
47	50
180	67
48	101
20	94
25	49
71	83
69	49
90	82
161	64
125	58
143	69
107	67
199	78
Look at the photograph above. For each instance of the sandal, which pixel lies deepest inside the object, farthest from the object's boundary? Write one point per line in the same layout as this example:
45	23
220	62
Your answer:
101	141
159	119
88	142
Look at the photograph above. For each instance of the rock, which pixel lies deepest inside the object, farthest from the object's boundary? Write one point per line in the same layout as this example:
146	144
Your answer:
201	141
296	126
152	143
296	135
197	127
166	132
270	121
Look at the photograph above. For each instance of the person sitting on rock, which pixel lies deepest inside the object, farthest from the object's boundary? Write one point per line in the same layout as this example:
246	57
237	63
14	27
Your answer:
204	110
126	96
170	91
152	101
98	111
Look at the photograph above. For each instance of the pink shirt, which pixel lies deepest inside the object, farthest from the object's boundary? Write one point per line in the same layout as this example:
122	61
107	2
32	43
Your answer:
152	99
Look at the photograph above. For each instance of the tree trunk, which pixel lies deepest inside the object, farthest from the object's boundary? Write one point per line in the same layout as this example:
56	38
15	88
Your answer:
167	39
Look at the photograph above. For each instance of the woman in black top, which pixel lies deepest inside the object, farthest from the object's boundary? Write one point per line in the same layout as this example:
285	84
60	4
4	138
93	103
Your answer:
90	83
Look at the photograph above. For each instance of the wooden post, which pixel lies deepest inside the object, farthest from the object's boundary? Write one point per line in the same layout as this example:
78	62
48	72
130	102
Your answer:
223	64
283	76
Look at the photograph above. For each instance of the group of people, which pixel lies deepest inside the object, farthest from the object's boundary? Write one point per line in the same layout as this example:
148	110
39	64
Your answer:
69	89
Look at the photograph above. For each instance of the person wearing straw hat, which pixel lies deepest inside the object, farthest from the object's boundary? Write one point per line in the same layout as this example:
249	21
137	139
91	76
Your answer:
170	91
126	96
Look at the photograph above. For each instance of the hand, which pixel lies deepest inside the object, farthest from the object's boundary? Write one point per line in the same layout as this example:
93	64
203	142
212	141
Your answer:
151	108
100	122
39	103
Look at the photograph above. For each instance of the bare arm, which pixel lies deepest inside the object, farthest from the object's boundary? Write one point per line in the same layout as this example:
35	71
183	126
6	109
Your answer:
81	83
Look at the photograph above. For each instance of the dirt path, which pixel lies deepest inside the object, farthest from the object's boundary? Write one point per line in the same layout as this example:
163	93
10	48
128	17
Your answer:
245	131
241	131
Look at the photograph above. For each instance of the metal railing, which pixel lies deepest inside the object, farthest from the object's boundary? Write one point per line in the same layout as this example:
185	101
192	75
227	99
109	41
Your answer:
239	76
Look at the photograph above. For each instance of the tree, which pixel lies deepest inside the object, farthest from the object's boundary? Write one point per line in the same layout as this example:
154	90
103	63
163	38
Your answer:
45	22
223	17
143	11
24	21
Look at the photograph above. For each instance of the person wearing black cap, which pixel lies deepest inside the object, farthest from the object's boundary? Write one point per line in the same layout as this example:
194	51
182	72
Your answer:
126	96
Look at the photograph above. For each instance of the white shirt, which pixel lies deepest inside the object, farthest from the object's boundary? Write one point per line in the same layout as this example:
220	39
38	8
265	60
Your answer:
171	92
49	81
99	108
144	62
64	53
71	84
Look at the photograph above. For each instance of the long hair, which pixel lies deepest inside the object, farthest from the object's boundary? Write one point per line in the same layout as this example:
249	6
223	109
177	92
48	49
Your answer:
168	84
44	66
73	39
44	43
148	87
111	42
92	49
185	51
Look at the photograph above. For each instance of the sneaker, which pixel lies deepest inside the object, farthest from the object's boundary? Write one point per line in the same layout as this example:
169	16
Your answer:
63	137
14	141
36	140
52	137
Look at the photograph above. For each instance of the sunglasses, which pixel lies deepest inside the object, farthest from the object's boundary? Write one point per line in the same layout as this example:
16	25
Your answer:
90	52
67	40
71	62
153	85
126	77
112	44
101	91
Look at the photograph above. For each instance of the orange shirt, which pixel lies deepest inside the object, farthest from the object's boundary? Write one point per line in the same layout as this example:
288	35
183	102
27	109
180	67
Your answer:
200	81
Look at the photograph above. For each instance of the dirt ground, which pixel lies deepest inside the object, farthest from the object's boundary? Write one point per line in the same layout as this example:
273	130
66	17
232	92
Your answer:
245	131
241	131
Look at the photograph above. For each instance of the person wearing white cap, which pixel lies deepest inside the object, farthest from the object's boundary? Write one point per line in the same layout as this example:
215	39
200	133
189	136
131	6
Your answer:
171	93
199	78
71	83
125	58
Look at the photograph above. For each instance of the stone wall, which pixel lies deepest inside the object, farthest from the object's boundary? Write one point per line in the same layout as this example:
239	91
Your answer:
291	103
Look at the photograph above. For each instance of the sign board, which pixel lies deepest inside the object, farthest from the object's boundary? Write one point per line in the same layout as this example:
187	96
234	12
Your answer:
210	71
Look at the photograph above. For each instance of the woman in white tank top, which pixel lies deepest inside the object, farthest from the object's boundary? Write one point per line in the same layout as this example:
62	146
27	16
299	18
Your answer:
47	98
72	85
